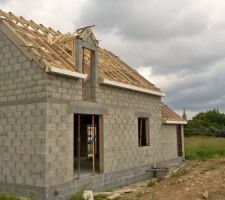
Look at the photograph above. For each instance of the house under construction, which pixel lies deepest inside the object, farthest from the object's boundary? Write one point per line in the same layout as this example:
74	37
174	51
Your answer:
74	116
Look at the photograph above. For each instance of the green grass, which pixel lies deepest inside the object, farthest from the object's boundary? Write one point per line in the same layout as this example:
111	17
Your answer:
6	197
77	196
151	182
204	148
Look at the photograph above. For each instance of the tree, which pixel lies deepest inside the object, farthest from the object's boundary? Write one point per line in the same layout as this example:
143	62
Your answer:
206	123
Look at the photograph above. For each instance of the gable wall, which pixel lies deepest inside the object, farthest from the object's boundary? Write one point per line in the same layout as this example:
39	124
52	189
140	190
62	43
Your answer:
22	117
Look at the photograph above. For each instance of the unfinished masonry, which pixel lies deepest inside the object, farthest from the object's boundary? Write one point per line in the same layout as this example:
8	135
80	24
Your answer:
74	116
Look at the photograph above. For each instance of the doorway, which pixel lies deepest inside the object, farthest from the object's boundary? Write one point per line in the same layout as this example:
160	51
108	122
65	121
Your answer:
179	141
87	144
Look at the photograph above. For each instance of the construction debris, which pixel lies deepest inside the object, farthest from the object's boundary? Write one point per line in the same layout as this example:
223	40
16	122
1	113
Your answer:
88	195
205	195
115	194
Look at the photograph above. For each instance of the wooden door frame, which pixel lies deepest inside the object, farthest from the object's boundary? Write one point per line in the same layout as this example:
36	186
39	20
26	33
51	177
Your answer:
180	152
100	143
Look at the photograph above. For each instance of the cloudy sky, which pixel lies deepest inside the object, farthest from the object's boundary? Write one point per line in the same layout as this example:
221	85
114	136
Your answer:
179	45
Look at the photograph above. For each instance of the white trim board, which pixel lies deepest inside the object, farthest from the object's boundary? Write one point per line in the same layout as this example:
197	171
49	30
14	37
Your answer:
56	70
131	87
175	122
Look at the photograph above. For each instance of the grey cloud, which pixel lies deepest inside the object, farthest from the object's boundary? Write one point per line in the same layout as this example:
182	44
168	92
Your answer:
181	38
146	19
199	93
175	37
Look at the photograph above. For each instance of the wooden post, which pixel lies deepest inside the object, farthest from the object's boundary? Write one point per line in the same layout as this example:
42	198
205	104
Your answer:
140	139
93	144
78	148
101	164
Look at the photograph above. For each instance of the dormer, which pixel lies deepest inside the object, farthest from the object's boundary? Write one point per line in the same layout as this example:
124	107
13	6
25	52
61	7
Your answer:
86	60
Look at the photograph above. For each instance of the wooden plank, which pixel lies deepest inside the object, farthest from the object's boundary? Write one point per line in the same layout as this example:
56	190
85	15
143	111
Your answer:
101	145
93	144
78	148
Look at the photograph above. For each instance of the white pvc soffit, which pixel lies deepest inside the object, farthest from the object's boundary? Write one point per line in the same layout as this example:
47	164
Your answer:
130	87
175	122
56	70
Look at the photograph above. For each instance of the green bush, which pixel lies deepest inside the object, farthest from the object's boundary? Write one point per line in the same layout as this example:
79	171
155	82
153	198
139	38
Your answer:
205	124
204	148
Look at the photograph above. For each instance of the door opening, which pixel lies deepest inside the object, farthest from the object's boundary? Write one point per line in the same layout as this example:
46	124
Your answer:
179	141
87	139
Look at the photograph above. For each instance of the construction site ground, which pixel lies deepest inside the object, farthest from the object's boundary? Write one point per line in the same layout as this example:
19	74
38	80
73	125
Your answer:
195	180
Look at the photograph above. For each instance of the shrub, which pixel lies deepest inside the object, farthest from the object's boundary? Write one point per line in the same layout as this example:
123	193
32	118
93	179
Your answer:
205	124
151	182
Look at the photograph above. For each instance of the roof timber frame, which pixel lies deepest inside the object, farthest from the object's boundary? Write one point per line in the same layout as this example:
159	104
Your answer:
170	117
36	39
51	48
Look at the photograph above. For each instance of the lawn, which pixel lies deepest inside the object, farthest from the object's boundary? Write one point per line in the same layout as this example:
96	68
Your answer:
204	148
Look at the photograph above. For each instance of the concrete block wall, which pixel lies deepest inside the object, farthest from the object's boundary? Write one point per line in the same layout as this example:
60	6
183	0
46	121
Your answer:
64	88
36	125
62	91
22	117
121	150
23	144
168	139
59	155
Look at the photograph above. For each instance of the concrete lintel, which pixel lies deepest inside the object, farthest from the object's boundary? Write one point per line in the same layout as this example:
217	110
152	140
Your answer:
35	100
89	45
23	101
88	108
143	114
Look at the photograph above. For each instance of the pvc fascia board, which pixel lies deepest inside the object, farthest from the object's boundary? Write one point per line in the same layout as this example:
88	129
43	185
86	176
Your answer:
175	122
130	87
56	70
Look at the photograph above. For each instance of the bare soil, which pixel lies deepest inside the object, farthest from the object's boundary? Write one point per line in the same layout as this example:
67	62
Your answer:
196	180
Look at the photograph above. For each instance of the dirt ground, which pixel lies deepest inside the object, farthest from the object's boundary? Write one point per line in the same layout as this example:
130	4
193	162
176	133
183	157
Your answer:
196	180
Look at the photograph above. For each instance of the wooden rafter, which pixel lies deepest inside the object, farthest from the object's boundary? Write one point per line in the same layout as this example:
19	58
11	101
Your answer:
37	38
52	48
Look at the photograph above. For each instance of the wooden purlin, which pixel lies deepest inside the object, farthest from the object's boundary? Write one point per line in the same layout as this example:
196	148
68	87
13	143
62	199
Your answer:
112	68
120	70
116	69
131	72
31	24
41	51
